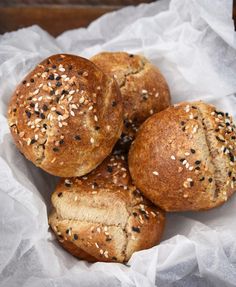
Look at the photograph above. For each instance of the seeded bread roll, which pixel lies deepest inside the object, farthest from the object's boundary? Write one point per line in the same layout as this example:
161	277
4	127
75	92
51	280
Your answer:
143	88
184	157
102	216
66	115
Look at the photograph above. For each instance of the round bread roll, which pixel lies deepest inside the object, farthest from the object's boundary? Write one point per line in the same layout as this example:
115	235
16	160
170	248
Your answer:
184	157
66	115
143	88
102	216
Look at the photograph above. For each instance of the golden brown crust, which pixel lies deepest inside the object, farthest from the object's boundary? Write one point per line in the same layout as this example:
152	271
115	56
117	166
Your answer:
104	214
143	88
184	157
66	115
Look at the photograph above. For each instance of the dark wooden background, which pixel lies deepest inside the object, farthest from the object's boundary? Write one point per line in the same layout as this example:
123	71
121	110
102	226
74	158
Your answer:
56	16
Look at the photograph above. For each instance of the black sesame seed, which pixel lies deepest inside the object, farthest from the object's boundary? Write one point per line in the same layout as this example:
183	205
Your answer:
58	84
113	104
24	82
226	114
192	150
14	110
109	168
182	123
77	137
33	141
197	162
196	117
57	99
29	98
61	142
45	126
54	66
52	92
202	178
59	194
210	179
136	229
233	137
227	124
45	108
197	168
131	55
59	113
183	129
64	92
32	80
67	184
142	211
28	114
32	105
108	239
135	214
97	128
42	116
55	149
67	231
37	113
231	157
51	77
193	107
229	173
182	160
58	78
191	183
233	178
70	67
76	237
80	73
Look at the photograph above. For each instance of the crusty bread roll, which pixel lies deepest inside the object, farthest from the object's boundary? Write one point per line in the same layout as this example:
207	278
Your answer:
102	216
66	115
143	88
184	158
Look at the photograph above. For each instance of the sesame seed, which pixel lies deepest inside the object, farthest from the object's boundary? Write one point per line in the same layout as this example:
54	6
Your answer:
61	69
172	157
76	198
155	173
97	246
156	95
95	118
92	140
81	100
136	229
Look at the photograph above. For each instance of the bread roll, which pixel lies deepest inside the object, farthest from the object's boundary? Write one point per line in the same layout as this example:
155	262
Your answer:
184	157
102	216
66	115
143	88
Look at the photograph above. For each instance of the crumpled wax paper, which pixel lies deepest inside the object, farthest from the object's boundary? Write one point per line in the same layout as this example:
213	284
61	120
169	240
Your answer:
193	43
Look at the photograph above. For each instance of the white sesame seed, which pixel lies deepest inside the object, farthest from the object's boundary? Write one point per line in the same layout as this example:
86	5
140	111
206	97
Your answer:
61	69
101	251
95	118
155	172
36	92
184	162
172	157
156	95
151	112
189	179
72	113
60	124
90	108
98	229
81	100
92	140
76	198
96	245
72	92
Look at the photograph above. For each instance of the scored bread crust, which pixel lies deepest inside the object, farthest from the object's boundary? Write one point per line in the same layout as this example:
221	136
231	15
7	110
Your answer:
66	115
184	157
104	215
143	88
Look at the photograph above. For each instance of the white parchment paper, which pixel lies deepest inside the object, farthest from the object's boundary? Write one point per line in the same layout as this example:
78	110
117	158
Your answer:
193	43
